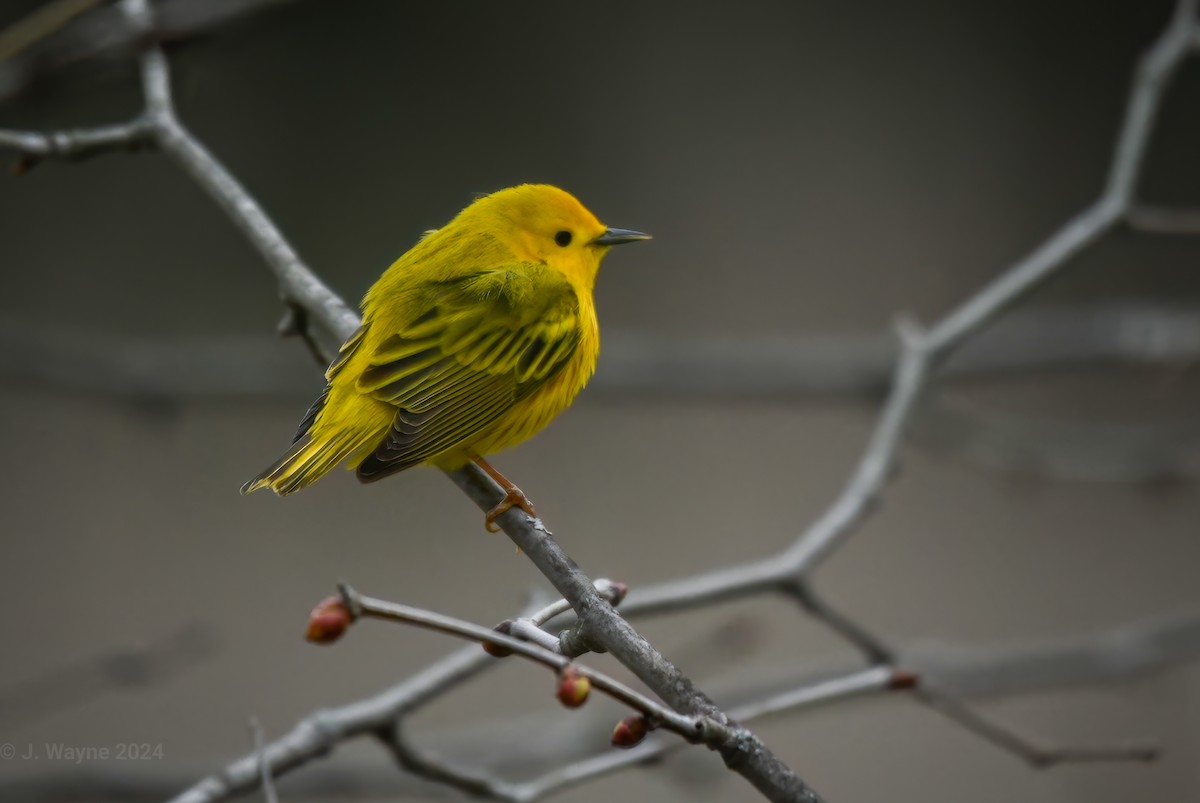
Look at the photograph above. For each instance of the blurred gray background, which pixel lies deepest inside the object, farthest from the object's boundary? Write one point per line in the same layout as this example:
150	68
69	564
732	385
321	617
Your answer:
807	170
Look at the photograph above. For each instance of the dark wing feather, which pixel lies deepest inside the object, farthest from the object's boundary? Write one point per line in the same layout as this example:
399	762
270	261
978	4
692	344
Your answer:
348	348
480	345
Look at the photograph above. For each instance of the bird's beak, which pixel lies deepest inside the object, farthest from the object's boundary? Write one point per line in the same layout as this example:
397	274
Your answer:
618	236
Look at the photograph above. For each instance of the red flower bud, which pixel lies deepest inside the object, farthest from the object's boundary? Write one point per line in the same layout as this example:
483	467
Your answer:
499	650
573	688
630	731
328	621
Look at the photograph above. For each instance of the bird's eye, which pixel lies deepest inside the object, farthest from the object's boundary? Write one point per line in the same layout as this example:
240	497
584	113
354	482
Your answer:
563	238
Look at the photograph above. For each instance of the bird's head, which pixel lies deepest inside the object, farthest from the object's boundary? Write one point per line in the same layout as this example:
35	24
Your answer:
541	223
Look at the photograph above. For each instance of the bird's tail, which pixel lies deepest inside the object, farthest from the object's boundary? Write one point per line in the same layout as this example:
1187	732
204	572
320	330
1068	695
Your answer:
305	463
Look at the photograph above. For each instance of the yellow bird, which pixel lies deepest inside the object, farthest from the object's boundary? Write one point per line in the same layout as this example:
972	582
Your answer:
471	342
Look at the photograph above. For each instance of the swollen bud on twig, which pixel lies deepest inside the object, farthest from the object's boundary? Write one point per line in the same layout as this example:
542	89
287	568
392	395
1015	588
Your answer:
903	680
573	688
619	590
328	621
630	731
497	650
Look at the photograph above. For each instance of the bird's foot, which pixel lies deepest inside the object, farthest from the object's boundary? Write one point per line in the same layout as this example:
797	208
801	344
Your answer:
513	497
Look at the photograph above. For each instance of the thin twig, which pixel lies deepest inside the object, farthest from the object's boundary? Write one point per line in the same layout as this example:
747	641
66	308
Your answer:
39	24
34	48
1163	219
873	649
437	769
264	769
692	728
77	143
321	732
1108	655
526	630
1012	742
852	684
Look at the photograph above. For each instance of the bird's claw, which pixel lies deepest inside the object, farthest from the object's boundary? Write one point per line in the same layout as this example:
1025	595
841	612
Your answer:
513	497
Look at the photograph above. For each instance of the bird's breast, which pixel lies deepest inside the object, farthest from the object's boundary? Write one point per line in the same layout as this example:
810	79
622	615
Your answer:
530	415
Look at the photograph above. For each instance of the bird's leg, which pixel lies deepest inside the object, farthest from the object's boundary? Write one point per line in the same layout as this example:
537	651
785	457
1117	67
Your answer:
513	496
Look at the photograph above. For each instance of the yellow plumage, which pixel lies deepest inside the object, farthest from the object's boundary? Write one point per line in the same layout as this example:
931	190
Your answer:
471	342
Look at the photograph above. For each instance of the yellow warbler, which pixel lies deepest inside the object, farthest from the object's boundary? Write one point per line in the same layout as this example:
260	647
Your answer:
470	343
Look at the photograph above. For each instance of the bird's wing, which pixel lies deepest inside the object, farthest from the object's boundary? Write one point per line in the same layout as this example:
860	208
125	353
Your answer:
475	347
